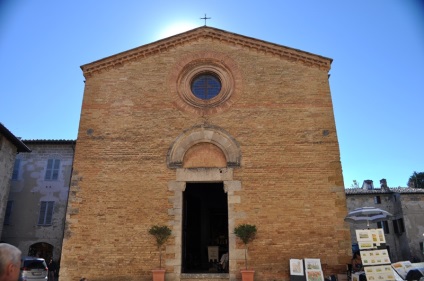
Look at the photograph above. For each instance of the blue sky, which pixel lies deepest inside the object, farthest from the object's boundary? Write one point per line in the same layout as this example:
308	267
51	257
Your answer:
377	76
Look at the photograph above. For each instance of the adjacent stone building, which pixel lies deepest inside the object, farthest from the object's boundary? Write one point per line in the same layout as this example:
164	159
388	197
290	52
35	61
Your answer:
404	232
38	198
10	145
203	131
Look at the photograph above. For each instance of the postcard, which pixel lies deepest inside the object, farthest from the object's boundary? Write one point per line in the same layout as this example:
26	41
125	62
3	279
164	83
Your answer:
312	264
364	254
314	275
375	237
369	270
366	245
381	237
384	253
296	267
363	235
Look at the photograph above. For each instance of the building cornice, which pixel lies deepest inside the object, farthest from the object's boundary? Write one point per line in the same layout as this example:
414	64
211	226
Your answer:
206	32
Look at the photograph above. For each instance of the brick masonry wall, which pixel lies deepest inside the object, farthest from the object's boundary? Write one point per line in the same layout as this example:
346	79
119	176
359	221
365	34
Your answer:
290	171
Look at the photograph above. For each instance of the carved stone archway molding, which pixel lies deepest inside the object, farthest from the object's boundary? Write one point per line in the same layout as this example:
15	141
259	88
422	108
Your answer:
204	133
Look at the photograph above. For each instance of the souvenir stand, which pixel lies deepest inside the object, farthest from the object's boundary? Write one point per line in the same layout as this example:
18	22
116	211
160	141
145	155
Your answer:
374	255
306	270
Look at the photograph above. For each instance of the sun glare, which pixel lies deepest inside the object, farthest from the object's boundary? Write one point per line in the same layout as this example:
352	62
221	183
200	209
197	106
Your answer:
176	28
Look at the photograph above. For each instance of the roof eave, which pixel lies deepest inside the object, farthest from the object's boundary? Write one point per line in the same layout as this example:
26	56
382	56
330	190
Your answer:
205	31
20	146
49	141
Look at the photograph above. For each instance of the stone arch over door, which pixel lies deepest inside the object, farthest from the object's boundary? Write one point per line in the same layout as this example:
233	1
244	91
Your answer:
42	250
175	160
204	134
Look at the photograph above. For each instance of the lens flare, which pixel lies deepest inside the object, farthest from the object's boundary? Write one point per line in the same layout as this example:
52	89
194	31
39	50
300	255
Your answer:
176	28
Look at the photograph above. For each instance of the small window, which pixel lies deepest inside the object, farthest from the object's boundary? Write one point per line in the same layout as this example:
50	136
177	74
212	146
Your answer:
384	225
52	171
206	86
377	200
15	174
8	212
46	213
395	227
398	226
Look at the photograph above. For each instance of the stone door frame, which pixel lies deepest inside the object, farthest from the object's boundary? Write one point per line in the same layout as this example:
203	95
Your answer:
230	148
178	186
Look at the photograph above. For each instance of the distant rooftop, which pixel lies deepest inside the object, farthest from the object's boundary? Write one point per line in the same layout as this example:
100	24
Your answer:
404	190
38	141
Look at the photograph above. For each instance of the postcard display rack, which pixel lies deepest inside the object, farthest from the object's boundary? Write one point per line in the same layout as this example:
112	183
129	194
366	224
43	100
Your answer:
374	255
306	270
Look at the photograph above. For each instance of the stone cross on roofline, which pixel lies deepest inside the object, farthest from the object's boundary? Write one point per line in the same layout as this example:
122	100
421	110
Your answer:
205	18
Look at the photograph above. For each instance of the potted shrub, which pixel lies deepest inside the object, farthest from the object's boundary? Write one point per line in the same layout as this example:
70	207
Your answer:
246	233
161	234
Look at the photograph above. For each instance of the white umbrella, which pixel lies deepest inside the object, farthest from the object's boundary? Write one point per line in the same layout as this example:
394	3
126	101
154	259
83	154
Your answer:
367	214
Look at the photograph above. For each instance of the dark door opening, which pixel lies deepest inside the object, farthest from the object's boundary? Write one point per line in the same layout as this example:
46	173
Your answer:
205	224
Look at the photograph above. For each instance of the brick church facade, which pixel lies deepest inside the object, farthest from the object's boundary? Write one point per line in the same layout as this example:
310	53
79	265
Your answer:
203	131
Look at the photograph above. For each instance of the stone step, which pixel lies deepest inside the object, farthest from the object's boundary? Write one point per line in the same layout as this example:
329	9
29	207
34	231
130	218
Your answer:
205	276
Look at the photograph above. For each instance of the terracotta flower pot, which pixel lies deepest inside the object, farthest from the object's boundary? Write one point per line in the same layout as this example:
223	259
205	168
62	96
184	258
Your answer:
247	274
158	274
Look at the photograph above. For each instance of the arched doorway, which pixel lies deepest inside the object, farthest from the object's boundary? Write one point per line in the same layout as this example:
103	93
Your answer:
41	250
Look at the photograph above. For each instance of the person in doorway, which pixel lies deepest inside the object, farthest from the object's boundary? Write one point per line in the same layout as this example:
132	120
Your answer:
10	262
52	269
224	262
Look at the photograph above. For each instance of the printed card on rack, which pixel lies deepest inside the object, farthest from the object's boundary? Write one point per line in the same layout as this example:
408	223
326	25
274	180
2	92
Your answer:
313	270
296	267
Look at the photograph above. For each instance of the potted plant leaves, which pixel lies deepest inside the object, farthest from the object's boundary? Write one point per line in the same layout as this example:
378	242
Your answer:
246	233
161	234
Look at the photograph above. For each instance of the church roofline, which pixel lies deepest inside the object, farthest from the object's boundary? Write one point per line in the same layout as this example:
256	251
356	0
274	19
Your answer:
207	32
